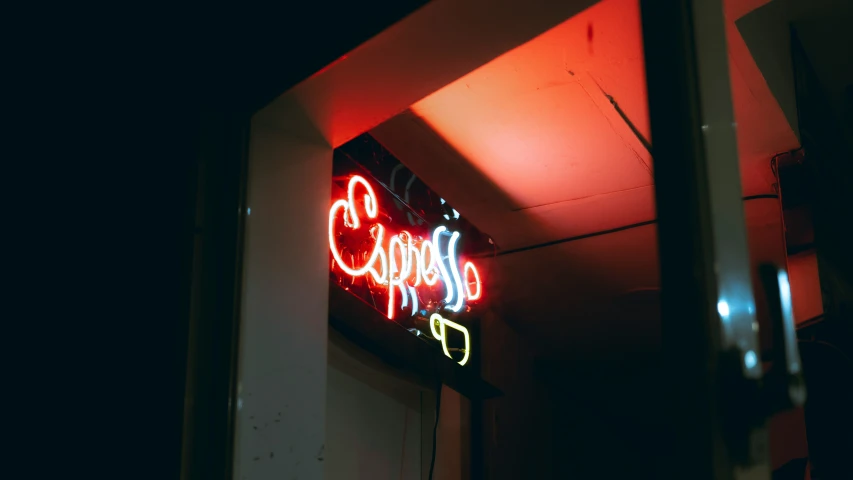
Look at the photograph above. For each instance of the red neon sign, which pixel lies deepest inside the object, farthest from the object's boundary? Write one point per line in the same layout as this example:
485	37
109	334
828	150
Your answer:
410	265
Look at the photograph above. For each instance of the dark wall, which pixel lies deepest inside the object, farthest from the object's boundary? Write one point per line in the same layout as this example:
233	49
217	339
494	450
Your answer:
827	364
829	163
148	109
608	420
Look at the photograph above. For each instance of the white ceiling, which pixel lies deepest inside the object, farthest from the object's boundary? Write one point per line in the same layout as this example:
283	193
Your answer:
530	150
534	122
430	48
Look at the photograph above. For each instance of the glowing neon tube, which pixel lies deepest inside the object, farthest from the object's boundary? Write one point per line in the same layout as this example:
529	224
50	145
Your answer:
401	263
443	323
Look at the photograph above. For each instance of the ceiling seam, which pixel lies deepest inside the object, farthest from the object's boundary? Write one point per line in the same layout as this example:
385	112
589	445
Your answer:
602	232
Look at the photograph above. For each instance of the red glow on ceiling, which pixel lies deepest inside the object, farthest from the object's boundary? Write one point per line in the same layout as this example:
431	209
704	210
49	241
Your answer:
537	121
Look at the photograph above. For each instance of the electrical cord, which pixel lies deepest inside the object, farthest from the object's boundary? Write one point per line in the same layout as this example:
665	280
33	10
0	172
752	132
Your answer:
435	429
832	347
405	431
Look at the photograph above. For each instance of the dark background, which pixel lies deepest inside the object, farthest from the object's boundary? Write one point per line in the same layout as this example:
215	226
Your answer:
125	126
128	125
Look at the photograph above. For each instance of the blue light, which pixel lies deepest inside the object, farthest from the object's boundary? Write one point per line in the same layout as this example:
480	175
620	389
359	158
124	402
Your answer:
723	309
750	359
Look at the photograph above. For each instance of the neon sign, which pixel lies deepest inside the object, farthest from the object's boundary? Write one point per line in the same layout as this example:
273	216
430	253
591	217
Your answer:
438	327
408	267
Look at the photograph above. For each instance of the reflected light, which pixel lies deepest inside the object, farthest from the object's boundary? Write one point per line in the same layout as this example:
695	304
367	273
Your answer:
723	308
784	287
750	359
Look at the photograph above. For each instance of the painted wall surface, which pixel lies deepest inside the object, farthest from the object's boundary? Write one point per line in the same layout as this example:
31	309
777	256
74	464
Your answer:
517	435
280	424
380	422
451	453
370	435
609	419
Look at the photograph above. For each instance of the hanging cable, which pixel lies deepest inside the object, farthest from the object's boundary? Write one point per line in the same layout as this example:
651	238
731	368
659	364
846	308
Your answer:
435	429
405	431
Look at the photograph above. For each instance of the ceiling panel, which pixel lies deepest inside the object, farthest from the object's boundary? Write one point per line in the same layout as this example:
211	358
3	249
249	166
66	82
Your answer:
540	148
484	204
535	121
530	149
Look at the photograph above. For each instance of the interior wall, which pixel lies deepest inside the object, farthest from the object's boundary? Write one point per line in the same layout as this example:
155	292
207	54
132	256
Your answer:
281	390
452	452
517	427
370	434
827	154
608	420
380	422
